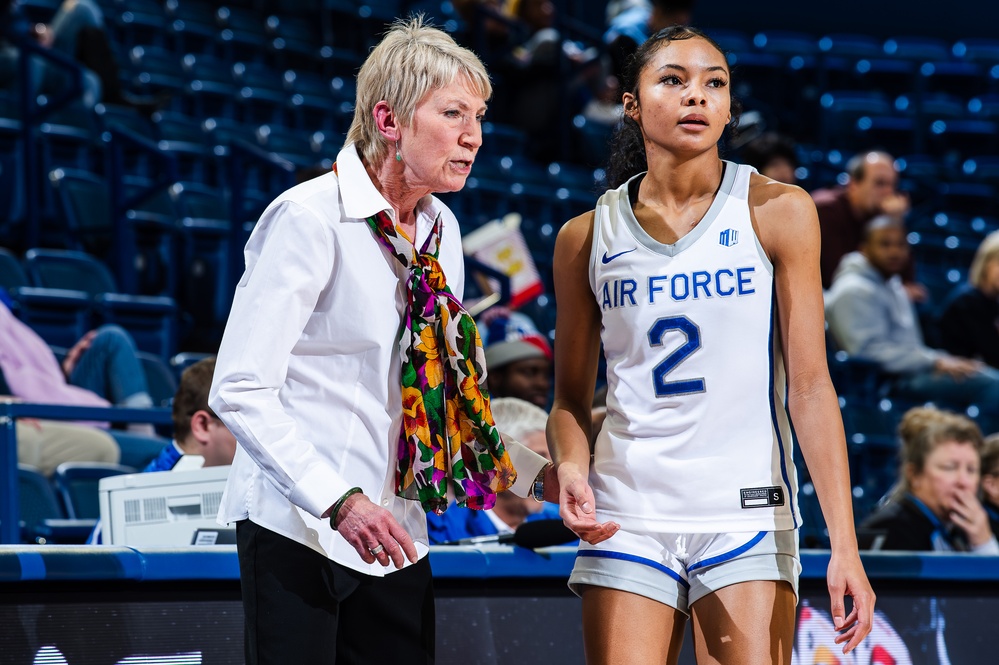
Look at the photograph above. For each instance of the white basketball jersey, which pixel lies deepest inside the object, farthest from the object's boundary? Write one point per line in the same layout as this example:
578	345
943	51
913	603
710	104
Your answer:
697	437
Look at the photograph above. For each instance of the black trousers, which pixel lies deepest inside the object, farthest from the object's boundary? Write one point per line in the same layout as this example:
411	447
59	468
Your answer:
300	607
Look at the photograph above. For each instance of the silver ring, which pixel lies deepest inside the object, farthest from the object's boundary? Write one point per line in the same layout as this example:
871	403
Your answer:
375	551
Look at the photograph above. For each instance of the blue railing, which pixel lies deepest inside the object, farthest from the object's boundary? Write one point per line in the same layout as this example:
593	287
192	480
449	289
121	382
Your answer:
10	509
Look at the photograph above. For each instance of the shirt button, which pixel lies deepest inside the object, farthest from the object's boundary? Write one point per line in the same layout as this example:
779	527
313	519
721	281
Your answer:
385	502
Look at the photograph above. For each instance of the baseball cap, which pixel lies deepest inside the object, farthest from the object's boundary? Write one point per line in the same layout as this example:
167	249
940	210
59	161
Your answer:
509	336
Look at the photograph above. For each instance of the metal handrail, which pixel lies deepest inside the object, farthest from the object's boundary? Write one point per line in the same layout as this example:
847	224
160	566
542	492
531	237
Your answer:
10	411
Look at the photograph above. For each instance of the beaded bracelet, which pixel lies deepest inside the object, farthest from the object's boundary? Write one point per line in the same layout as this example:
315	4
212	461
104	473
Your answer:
339	504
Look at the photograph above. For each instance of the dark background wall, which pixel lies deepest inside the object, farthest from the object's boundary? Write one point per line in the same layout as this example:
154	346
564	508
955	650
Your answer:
882	18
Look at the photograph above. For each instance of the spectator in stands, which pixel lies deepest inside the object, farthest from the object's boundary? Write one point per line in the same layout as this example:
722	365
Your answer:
518	357
773	155
76	32
351	375
487	19
102	368
871	190
969	323
543	72
200	439
871	317
990	480
60	35
636	21
526	423
935	505
45	444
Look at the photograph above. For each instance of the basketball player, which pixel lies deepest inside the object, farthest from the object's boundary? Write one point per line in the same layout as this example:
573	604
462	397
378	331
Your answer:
701	279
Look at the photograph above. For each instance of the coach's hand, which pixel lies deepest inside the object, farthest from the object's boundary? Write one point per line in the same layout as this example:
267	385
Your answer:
373	532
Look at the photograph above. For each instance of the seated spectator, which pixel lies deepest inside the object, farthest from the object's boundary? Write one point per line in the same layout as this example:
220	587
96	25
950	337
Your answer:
526	423
518	357
77	32
542	70
635	22
969	323
871	318
60	36
200	439
990	480
773	155
45	444
872	190
935	506
101	368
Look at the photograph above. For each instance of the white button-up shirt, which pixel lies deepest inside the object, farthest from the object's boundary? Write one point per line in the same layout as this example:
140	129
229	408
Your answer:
308	375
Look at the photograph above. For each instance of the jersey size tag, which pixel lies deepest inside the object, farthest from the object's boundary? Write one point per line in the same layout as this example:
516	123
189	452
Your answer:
762	497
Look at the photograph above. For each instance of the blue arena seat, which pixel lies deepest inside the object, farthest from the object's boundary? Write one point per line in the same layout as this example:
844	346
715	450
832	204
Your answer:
42	518
896	134
77	486
917	48
151	320
193	27
153	69
962	137
138	22
242	33
966	79
984	50
210	89
261	96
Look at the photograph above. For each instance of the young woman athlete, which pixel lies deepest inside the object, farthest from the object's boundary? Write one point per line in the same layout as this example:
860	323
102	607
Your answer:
701	280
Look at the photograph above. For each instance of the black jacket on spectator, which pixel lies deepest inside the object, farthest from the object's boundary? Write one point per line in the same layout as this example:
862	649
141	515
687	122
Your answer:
909	526
969	325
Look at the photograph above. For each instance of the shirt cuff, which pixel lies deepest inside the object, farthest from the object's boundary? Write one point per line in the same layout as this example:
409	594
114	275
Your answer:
527	463
991	547
317	490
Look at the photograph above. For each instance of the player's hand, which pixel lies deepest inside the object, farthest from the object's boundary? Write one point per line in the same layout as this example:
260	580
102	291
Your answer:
367	527
576	507
846	577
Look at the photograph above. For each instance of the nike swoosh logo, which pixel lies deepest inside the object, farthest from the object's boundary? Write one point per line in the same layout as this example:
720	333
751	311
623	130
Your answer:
607	259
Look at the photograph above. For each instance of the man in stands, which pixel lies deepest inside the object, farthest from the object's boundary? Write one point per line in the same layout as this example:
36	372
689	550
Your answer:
518	357
871	190
871	317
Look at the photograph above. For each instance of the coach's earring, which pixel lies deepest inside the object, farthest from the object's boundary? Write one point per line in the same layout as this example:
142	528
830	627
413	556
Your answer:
398	153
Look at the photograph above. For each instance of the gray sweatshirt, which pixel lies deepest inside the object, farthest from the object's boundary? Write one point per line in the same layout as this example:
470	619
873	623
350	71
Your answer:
872	318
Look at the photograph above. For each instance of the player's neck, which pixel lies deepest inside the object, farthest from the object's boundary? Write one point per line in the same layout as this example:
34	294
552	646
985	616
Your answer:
673	182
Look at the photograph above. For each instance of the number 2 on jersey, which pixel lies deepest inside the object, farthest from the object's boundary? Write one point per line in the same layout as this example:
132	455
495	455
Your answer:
690	330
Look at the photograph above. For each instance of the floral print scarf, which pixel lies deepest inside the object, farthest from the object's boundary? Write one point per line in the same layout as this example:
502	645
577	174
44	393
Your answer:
447	426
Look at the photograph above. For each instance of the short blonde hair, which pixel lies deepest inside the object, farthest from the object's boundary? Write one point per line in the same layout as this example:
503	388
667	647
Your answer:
518	417
922	429
987	251
411	60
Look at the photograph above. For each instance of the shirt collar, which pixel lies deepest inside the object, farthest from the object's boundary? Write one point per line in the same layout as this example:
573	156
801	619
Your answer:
361	199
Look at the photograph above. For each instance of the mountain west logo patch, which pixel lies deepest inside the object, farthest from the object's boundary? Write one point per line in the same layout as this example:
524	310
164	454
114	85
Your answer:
728	237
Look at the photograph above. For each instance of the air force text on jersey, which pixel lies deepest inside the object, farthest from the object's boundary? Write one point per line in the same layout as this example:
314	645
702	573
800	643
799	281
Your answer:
678	287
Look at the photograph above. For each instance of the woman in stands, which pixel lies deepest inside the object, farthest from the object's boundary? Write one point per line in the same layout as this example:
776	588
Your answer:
968	322
352	377
700	278
935	505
